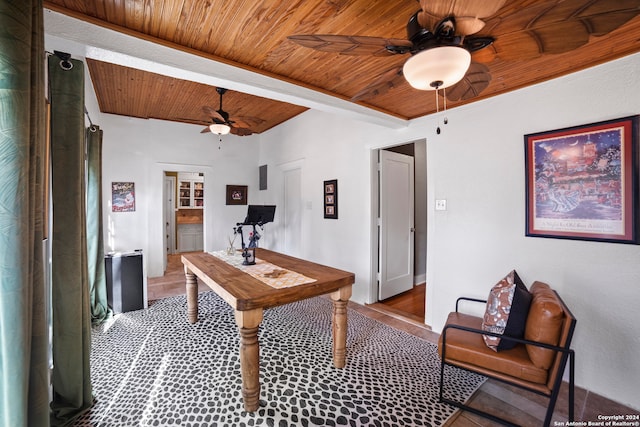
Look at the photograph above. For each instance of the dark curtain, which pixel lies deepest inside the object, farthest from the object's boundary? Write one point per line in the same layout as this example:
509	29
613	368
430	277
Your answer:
72	393
95	247
24	368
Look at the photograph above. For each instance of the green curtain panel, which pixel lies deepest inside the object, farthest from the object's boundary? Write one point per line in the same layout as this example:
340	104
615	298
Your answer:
24	368
72	393
95	247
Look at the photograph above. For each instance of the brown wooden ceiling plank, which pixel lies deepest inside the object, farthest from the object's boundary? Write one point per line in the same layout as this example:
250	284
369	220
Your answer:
136	85
82	6
255	40
55	6
133	14
114	11
270	36
234	32
163	25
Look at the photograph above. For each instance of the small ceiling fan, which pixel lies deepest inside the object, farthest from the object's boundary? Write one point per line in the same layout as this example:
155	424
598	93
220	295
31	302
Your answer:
447	53
222	124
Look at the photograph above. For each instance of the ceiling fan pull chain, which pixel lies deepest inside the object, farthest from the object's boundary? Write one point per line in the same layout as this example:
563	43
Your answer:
444	93
437	110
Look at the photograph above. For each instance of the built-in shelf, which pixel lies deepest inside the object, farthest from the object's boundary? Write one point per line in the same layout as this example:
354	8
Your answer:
190	190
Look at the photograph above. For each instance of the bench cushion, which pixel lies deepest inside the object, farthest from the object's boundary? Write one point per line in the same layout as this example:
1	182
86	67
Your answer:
470	349
544	324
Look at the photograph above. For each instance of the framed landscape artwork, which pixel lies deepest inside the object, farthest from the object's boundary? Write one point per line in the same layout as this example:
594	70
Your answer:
582	182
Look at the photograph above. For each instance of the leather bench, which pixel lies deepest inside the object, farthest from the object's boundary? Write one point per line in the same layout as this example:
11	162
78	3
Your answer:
536	363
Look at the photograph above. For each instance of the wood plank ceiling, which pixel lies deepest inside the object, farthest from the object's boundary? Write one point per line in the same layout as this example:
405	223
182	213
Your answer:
253	35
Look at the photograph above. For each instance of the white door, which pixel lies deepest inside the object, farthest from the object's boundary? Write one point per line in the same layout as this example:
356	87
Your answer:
169	217
292	212
396	224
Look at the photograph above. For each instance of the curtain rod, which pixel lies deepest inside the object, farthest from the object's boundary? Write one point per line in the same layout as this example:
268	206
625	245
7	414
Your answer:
86	113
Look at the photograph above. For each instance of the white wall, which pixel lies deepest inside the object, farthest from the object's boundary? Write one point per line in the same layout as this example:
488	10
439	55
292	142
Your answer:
477	164
141	150
479	168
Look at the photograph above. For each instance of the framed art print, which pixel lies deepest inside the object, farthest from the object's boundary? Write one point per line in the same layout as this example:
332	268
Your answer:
582	182
123	197
236	194
331	199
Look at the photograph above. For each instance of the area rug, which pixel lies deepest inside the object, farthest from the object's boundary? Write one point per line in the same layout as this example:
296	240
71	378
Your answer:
152	368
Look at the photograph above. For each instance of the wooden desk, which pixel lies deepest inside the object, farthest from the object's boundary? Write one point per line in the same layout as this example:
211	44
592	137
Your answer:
249	297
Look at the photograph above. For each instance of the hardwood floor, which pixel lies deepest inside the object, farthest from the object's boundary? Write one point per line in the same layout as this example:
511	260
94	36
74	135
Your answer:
172	283
408	305
406	312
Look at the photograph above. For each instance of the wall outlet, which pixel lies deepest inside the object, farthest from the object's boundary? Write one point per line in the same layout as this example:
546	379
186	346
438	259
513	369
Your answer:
441	205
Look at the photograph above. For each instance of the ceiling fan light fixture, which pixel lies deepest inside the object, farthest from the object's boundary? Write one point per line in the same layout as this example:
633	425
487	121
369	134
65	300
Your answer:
219	128
437	68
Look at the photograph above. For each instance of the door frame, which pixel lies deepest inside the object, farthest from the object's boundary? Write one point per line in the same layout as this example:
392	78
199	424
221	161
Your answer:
391	286
374	209
282	169
156	250
171	240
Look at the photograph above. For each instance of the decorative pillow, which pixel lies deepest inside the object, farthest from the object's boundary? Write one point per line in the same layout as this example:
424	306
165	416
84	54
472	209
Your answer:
506	312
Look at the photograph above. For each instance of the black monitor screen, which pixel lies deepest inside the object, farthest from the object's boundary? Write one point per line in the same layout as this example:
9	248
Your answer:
260	214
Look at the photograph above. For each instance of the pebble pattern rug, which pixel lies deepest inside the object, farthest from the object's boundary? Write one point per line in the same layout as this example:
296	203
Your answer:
152	368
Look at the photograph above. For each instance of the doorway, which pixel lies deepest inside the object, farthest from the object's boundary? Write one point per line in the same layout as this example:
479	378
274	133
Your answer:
169	197
183	213
407	301
292	211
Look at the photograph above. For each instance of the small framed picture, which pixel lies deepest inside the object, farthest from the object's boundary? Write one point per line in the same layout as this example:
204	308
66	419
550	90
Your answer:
236	194
123	197
329	187
331	199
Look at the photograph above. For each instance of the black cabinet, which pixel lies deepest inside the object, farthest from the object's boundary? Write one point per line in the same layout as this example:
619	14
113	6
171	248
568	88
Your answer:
125	285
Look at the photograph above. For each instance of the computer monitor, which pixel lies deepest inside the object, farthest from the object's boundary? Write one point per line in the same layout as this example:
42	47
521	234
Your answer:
259	214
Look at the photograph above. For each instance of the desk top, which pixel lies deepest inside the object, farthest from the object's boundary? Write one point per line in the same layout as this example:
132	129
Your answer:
244	292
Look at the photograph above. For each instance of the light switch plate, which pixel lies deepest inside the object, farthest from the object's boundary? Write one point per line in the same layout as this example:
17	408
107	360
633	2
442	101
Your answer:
441	205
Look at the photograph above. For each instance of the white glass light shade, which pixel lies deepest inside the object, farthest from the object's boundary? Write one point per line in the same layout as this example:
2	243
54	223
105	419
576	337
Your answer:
446	64
220	129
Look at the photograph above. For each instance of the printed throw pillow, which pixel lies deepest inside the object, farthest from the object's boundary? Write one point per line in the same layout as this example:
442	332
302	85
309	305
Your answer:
506	312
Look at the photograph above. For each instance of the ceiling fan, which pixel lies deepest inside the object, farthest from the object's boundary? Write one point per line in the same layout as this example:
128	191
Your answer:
222	124
447	53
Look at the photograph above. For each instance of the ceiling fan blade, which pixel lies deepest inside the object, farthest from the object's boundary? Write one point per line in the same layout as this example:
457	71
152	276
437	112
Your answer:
387	80
205	130
465	25
605	16
213	113
559	28
352	45
469	14
472	84
459	8
240	131
246	122
483	56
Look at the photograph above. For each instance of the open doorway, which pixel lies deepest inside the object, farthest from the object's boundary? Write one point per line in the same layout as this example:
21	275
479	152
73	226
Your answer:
183	214
401	241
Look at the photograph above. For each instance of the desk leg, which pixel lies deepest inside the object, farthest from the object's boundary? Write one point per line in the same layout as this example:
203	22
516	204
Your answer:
340	299
248	323
192	295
